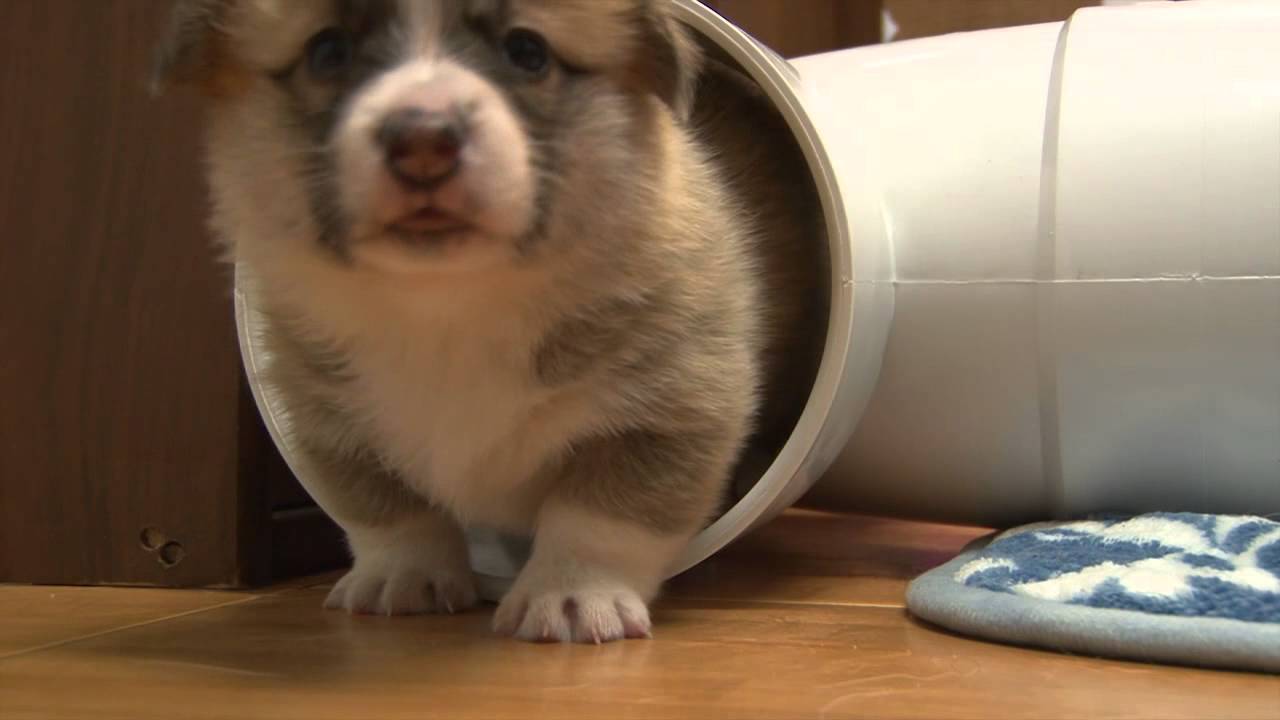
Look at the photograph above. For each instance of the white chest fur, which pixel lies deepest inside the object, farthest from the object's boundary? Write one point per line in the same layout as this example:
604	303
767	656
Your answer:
451	401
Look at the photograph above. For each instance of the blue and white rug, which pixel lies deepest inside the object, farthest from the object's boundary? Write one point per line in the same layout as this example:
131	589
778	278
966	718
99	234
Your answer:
1176	588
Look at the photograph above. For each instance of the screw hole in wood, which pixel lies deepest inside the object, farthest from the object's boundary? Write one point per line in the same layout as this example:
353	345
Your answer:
171	553
151	539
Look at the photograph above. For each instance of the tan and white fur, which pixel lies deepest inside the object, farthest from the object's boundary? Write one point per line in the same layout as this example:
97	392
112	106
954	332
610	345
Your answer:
545	319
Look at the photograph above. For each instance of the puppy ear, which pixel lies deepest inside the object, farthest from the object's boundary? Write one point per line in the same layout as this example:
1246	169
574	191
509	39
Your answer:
192	46
670	58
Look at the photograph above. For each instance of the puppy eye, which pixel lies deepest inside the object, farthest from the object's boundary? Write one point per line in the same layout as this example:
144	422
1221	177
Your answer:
527	50
328	53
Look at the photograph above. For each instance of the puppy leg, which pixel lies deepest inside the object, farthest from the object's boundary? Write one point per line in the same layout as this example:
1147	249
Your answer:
415	564
409	557
589	579
605	539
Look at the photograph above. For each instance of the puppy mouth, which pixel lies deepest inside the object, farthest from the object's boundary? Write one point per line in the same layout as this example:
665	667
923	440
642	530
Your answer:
429	226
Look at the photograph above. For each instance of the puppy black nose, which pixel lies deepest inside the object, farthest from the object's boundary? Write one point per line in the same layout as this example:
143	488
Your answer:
422	148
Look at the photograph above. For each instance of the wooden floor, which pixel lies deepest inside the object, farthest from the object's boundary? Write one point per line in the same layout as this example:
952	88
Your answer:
802	620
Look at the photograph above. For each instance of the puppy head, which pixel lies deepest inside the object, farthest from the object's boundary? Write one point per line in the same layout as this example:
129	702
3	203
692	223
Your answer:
439	135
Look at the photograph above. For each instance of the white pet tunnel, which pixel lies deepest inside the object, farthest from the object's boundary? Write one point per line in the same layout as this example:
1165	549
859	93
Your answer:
1055	258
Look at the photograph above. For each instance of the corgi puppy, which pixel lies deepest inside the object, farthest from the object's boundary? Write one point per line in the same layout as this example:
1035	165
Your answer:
507	282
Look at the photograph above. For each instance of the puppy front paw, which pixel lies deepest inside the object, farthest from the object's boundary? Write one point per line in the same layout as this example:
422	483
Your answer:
418	567
402	591
586	612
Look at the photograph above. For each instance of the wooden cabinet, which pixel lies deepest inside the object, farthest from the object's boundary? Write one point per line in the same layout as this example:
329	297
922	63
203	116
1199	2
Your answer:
804	27
129	449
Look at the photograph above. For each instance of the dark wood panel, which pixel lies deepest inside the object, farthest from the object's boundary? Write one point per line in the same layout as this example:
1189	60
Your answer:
804	27
924	18
119	375
305	541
